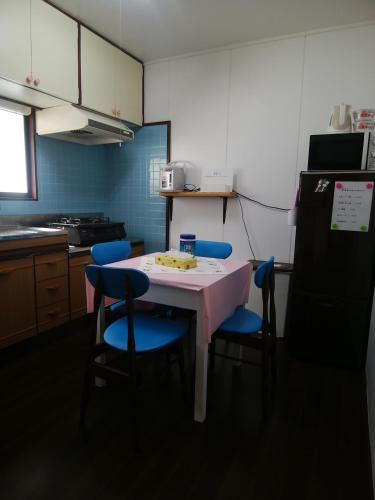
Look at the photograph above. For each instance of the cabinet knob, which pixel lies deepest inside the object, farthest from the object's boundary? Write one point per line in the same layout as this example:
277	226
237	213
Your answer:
29	78
36	82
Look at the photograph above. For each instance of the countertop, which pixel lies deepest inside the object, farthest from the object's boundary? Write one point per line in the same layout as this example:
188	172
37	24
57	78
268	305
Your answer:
8	233
78	251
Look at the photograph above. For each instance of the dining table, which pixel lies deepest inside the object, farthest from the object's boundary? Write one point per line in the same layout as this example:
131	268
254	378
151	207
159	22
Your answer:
213	295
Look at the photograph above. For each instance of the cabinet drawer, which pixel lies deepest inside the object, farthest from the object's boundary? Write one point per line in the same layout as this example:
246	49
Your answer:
52	290
53	315
51	265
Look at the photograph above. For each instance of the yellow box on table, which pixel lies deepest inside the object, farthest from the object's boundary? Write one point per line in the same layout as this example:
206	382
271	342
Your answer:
179	260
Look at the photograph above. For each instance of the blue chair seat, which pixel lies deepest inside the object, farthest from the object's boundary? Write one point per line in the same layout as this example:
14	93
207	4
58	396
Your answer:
150	333
243	322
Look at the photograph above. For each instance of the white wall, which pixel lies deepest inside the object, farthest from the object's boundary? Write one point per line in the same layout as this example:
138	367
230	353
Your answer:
253	108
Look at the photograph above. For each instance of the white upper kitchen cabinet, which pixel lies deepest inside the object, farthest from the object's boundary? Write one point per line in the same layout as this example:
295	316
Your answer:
15	47
39	48
97	73
128	88
111	81
54	51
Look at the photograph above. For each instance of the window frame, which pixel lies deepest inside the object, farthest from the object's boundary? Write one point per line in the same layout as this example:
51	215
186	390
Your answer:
29	138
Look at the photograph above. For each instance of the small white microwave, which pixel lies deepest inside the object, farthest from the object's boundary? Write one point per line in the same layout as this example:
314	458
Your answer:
352	151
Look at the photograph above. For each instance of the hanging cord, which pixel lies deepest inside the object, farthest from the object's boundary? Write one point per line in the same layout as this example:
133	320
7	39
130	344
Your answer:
247	232
260	203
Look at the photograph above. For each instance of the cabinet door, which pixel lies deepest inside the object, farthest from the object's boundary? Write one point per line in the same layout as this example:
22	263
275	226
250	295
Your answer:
17	305
128	88
54	51
97	73
15	50
77	267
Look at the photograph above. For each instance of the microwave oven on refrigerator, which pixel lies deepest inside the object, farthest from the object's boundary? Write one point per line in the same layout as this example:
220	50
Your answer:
353	151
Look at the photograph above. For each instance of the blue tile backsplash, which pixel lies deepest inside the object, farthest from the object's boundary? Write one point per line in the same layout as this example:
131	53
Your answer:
122	182
135	193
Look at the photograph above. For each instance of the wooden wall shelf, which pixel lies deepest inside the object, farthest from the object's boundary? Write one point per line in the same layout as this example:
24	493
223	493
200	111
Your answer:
196	194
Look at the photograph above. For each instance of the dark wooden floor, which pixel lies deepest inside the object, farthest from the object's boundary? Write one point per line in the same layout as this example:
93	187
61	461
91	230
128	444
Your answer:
314	446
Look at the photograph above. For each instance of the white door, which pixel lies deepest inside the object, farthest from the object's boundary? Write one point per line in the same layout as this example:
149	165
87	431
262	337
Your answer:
128	88
15	48
97	73
54	51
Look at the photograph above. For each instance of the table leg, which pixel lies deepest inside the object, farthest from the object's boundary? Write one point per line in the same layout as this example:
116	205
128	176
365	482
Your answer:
99	382
201	366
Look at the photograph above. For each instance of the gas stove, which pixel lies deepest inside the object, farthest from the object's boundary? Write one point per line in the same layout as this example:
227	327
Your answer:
75	221
86	231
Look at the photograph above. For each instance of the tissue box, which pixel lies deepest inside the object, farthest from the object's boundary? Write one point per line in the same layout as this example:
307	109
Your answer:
217	180
179	260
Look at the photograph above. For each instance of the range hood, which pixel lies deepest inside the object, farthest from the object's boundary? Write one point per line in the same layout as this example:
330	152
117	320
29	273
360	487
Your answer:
70	123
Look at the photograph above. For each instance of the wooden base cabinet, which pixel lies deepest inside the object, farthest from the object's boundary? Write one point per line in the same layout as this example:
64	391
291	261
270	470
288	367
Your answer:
77	280
17	304
77	266
52	290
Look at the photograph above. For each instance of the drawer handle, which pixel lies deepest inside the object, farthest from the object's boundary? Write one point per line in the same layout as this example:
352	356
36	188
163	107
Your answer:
52	288
5	272
51	263
55	312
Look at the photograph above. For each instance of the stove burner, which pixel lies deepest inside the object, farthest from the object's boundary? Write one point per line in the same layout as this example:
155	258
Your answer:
82	220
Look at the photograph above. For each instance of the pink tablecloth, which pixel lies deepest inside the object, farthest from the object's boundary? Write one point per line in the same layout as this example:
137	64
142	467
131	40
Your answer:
221	293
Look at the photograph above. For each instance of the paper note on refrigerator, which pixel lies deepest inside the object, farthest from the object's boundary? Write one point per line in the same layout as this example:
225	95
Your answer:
352	206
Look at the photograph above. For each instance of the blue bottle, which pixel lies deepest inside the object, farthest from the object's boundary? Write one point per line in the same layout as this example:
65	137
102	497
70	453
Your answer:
187	243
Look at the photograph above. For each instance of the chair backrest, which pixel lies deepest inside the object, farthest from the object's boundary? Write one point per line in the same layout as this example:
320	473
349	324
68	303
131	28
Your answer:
111	251
215	249
264	278
263	271
117	283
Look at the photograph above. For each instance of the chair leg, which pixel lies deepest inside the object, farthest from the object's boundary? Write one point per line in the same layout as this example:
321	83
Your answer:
135	412
87	381
169	363
85	395
264	383
273	364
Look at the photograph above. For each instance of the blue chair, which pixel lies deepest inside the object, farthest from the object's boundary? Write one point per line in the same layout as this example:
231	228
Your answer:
136	334
215	249
106	253
246	328
110	251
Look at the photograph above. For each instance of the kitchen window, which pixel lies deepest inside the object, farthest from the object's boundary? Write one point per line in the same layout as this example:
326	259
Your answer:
17	152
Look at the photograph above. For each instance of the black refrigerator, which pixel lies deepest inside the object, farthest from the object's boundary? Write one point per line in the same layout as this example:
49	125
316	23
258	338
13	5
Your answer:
331	290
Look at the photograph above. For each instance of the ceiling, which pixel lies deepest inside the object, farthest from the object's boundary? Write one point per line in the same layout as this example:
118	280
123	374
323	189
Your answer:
156	29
